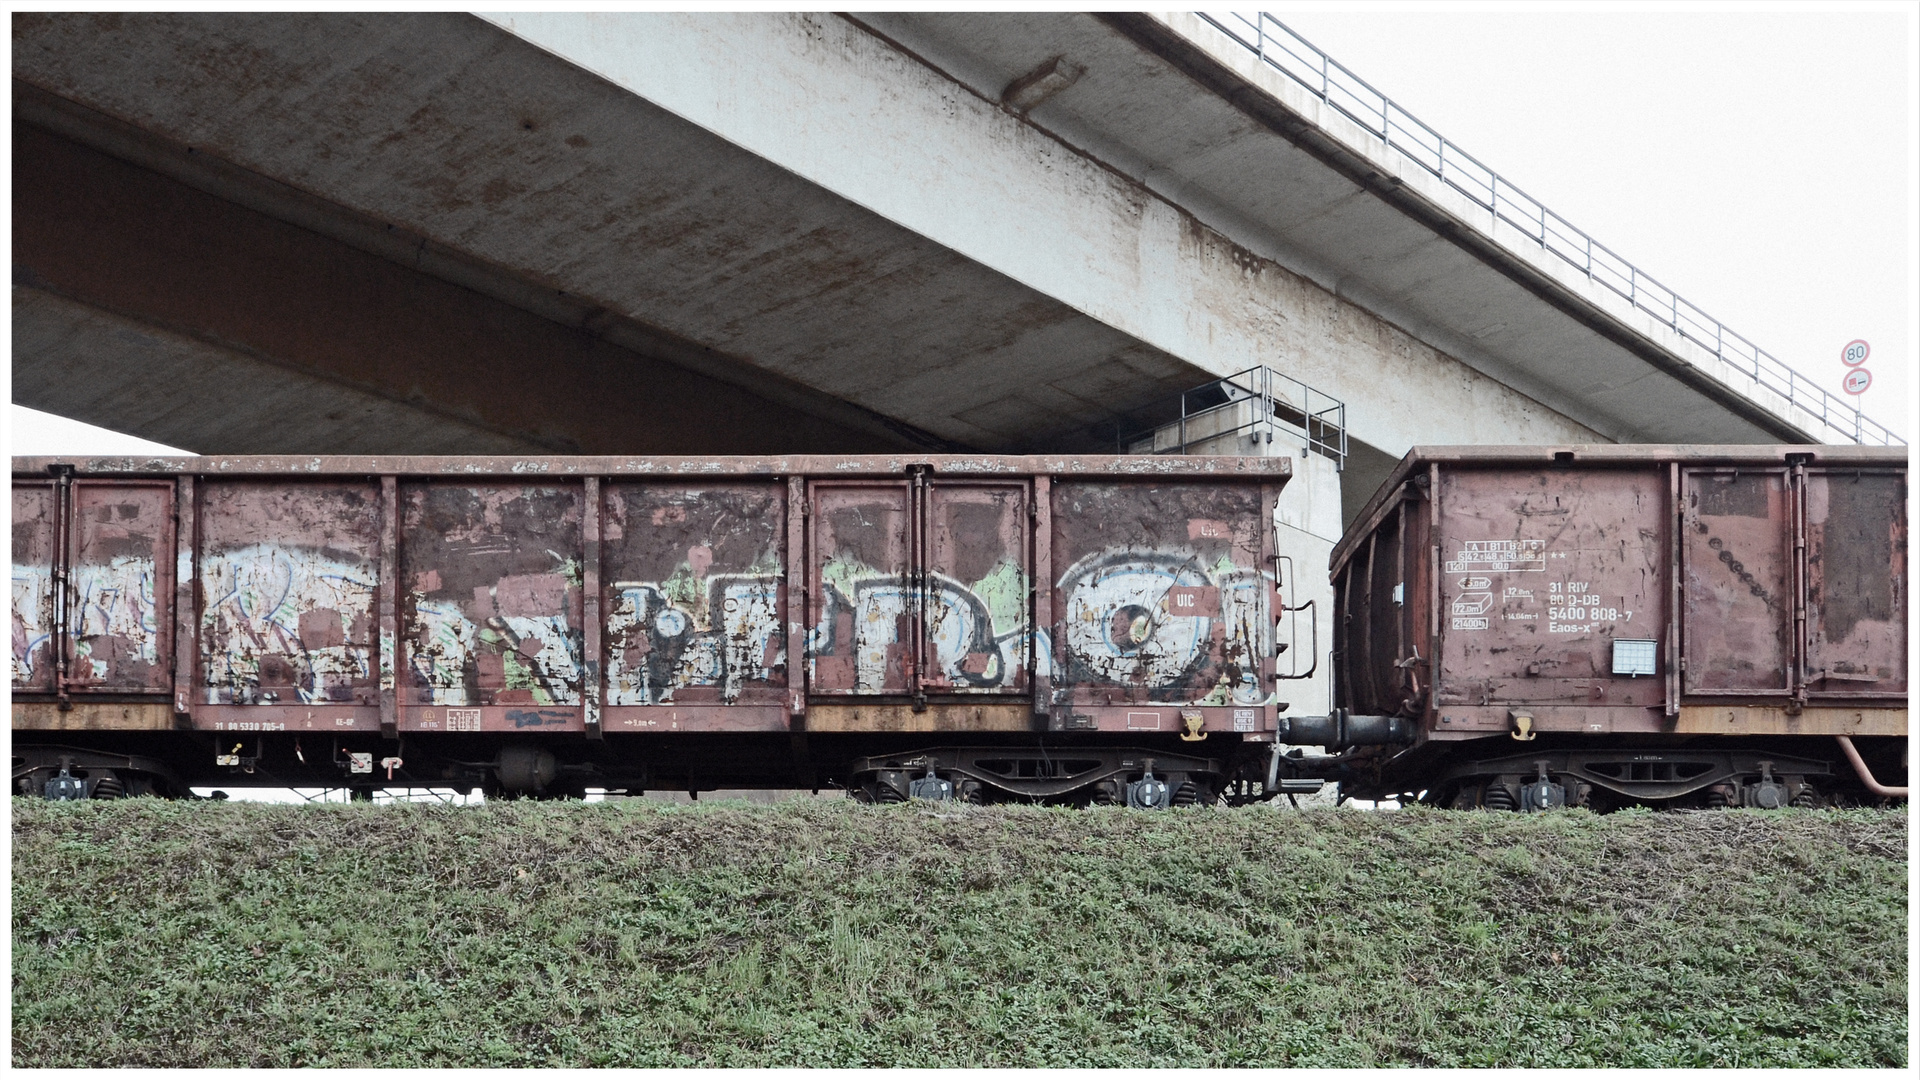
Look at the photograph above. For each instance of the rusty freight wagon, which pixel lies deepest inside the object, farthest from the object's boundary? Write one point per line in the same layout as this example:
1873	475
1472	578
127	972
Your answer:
1086	629
1708	626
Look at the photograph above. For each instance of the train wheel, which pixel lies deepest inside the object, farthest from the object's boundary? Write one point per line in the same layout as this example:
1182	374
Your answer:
1466	798
972	792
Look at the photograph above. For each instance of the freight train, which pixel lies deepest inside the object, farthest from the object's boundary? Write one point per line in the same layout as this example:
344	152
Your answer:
1514	628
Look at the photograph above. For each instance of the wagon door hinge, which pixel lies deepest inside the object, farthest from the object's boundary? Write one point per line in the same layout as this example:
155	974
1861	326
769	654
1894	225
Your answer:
919	542
62	581
1797	516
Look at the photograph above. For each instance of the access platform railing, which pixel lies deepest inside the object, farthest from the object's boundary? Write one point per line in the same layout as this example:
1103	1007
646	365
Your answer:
1258	404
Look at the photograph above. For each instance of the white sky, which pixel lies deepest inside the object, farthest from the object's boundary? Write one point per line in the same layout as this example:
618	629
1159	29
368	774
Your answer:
1758	161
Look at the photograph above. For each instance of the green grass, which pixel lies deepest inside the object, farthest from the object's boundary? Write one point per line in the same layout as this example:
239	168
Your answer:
152	933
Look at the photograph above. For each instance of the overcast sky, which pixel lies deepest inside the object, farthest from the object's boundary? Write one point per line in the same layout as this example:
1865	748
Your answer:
1758	162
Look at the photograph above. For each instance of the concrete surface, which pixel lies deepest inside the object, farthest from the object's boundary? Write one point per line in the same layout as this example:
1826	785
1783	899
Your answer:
744	232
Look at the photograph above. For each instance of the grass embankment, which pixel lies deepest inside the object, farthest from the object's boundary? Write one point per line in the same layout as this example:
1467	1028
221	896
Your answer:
149	933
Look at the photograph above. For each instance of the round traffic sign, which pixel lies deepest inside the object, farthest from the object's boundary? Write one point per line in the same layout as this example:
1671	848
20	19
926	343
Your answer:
1857	381
1855	353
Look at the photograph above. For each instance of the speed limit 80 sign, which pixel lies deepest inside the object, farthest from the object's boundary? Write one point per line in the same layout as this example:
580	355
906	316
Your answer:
1855	353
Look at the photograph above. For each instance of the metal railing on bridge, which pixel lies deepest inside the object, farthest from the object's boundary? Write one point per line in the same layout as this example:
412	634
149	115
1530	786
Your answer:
1331	82
1256	405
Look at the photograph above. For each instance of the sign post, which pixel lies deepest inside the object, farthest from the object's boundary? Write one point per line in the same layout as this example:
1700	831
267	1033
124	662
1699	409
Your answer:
1856	380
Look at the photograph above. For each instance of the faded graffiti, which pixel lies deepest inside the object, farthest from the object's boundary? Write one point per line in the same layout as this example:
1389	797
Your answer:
114	620
116	623
663	636
32	596
695	591
117	626
978	639
492	607
532	659
32	588
115	617
284	624
914	588
1165	622
1162	598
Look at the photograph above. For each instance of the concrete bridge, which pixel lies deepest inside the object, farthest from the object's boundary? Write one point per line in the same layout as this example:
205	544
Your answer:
744	233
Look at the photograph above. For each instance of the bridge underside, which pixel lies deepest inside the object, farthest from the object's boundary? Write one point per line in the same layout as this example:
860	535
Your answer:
533	259
426	233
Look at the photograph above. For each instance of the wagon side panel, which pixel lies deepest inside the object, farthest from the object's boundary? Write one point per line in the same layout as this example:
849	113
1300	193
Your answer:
1737	581
34	541
490	606
1161	607
696	606
1856	545
1553	587
286	579
120	627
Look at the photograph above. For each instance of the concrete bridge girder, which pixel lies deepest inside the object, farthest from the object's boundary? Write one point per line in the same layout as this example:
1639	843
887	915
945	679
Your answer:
825	98
1170	102
487	147
839	223
224	329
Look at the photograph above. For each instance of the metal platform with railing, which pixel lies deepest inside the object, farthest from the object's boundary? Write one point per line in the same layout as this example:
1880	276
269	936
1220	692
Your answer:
1295	57
1243	413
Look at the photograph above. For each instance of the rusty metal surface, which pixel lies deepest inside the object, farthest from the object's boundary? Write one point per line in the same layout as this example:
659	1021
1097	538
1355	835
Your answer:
1542	572
695	597
978	623
121	623
490	604
1420	458
864	618
1738	584
1777	720
34	539
920	587
287	574
1161	594
531	466
1756	577
328	598
1856	583
1384	623
93	716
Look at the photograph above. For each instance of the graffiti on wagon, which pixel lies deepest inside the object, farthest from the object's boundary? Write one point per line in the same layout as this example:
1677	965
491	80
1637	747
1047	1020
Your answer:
1166	622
